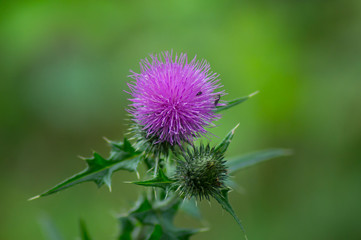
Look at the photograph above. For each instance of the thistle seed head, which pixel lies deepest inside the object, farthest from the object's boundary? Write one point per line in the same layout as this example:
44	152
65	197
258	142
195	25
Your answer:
201	172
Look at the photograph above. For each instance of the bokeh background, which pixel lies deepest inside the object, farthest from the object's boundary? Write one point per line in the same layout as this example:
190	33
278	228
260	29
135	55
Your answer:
63	69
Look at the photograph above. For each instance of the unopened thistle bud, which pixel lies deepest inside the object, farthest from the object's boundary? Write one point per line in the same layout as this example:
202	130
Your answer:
201	172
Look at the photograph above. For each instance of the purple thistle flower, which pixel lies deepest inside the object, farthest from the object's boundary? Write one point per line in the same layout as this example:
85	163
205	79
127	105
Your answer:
173	100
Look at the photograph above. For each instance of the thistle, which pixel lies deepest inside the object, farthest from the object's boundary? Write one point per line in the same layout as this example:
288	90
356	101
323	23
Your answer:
173	100
201	172
173	103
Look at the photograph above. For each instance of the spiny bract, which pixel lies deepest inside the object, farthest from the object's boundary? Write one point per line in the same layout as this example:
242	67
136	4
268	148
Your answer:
201	172
149	144
173	101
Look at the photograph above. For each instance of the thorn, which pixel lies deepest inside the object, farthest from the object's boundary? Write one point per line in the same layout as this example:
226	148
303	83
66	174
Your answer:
155	193
138	176
33	198
150	170
203	230
288	152
107	140
81	157
252	94
234	129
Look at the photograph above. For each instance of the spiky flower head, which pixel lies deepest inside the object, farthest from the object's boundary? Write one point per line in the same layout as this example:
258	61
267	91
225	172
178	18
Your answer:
173	99
201	172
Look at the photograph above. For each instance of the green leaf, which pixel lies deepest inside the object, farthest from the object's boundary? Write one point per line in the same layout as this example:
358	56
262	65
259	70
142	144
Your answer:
127	228
222	146
157	233
222	198
141	211
50	231
84	231
251	159
161	181
138	213
159	216
234	102
99	170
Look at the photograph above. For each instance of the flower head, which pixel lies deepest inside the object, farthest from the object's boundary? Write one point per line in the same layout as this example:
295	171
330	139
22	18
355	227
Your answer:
173	99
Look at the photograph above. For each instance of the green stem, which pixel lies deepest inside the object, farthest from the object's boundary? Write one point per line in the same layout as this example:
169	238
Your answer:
156	166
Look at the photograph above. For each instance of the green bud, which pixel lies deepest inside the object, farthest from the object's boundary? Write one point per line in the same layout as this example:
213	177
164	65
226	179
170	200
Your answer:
201	172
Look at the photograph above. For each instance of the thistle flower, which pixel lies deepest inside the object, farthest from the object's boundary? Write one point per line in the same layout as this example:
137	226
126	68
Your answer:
173	99
201	173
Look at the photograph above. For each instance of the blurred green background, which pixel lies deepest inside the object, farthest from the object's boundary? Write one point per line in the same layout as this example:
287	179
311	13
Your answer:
63	69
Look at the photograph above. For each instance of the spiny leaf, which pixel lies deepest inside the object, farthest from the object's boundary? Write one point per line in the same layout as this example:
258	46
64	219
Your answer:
84	231
161	181
183	234
157	233
161	214
232	103
251	159
222	146
128	220
127	228
141	210
222	198
99	170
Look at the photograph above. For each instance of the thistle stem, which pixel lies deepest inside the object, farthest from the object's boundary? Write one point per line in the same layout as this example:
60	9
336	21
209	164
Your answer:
156	166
